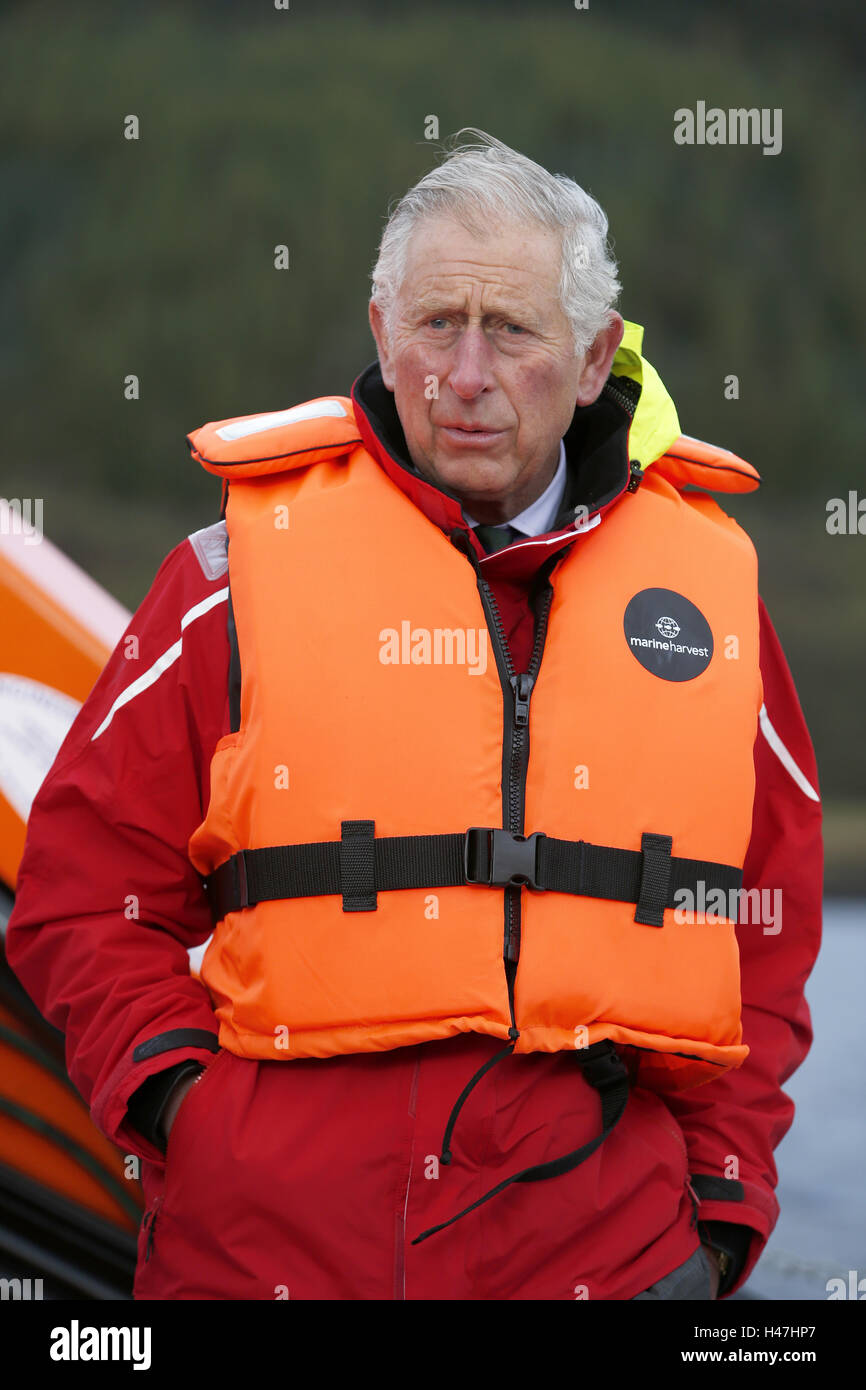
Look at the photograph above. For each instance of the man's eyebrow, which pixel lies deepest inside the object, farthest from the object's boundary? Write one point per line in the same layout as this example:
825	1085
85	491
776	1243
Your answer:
441	304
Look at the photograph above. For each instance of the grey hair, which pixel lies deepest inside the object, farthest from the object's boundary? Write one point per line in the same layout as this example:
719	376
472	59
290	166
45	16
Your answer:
484	182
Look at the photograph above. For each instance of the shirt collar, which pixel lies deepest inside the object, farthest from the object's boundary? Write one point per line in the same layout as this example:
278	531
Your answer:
538	518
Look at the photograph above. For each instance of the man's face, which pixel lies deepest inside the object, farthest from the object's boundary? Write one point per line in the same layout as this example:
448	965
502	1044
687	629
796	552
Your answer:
482	364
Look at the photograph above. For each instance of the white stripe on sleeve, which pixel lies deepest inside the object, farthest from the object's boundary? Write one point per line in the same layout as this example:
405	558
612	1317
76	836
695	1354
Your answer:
162	663
784	756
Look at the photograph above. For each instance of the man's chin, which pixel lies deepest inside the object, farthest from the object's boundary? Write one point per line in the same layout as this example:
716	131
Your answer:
470	483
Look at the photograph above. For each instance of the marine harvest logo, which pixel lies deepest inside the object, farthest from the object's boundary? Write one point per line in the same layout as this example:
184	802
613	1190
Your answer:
668	635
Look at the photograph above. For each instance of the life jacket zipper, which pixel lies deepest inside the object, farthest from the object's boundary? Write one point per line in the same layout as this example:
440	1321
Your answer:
515	760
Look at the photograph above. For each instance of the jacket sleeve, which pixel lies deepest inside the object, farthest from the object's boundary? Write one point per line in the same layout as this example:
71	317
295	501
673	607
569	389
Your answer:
733	1124
107	900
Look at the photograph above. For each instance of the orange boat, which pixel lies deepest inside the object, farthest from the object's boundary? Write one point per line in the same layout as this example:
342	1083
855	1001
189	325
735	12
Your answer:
70	1202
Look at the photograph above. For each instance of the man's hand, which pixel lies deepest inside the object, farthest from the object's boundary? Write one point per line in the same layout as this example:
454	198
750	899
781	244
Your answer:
175	1101
715	1272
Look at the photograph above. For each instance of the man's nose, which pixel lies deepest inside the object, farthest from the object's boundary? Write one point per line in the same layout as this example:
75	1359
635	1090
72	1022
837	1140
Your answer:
472	367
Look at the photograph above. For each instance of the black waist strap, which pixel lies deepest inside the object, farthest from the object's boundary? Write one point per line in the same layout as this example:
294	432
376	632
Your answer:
604	1070
361	864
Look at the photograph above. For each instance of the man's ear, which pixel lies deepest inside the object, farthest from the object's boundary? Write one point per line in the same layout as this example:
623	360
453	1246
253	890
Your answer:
380	333
598	360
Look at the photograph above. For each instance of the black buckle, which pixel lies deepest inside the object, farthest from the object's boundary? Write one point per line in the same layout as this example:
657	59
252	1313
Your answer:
499	857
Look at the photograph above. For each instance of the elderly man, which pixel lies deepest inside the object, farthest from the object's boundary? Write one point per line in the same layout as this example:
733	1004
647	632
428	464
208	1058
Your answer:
468	731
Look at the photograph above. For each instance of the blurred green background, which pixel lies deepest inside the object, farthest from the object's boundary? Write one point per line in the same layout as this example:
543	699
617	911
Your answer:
261	126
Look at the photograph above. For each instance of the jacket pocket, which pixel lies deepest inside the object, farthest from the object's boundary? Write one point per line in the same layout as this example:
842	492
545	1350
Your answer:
148	1234
196	1096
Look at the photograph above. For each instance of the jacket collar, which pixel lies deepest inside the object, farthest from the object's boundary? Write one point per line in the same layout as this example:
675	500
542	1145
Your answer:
596	452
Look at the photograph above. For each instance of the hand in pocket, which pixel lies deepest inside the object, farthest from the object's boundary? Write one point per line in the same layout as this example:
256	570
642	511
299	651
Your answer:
176	1100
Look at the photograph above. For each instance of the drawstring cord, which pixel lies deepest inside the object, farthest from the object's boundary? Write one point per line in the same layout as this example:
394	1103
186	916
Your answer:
445	1155
603	1069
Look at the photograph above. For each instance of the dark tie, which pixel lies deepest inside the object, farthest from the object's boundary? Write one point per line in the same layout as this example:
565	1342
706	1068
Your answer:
495	538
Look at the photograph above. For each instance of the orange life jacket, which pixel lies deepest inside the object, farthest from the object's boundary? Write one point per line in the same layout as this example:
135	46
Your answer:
380	722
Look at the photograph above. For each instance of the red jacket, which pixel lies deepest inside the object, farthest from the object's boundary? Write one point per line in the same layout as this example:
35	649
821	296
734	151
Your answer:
310	1179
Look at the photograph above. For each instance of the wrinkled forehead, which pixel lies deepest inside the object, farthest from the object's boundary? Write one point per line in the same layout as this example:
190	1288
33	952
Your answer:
515	265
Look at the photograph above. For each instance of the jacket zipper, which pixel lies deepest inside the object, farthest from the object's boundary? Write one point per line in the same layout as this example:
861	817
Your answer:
150	1228
696	1202
515	756
400	1261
